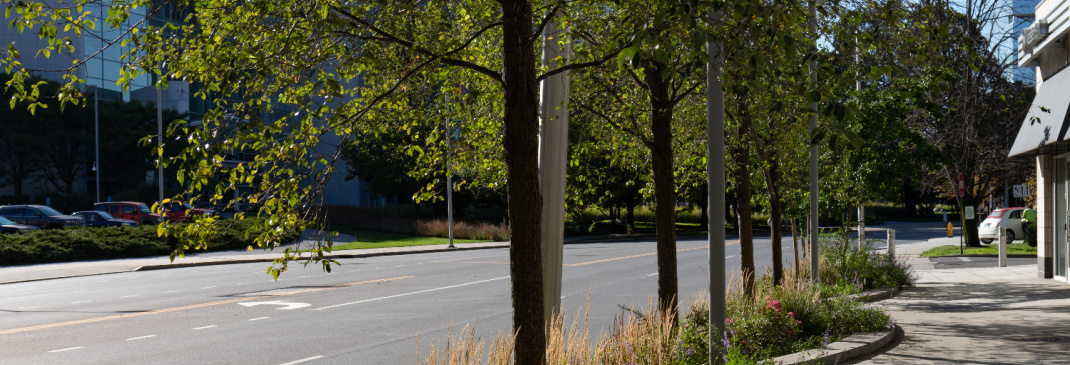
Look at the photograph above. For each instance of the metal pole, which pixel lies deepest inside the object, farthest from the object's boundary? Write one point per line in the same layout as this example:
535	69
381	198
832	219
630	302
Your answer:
715	175
1002	247
814	242
553	155
891	242
449	172
159	137
96	134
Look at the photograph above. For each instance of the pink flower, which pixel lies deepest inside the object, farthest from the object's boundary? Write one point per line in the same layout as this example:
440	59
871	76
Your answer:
728	320
774	305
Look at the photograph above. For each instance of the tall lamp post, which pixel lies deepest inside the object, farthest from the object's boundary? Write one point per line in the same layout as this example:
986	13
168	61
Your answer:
96	136
449	173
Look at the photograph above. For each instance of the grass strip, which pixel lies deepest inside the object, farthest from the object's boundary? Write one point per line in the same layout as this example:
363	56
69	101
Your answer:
993	249
372	239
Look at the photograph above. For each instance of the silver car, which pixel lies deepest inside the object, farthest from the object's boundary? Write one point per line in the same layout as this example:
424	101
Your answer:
1008	219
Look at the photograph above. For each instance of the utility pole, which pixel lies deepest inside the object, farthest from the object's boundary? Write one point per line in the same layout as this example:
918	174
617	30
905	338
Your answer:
449	171
553	152
814	242
715	176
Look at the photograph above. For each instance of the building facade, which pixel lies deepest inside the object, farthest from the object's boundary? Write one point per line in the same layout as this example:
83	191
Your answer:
101	73
1043	135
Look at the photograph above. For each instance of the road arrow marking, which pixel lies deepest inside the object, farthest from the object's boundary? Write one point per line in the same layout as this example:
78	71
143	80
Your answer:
285	305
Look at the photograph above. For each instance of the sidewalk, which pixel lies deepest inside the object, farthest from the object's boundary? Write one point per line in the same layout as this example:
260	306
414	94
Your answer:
987	315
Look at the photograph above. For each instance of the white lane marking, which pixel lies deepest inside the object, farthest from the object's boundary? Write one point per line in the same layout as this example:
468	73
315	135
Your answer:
140	338
651	275
128	296
205	327
284	304
208	287
728	257
67	349
257	319
303	360
171	291
411	293
84	301
34	307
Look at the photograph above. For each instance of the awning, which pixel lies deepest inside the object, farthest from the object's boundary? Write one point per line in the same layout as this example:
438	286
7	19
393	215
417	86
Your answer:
1046	122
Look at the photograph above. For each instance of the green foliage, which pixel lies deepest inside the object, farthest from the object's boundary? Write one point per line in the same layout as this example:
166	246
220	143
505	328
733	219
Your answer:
844	263
87	243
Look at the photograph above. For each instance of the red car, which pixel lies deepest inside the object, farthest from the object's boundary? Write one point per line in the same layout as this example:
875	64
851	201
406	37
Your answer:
180	212
135	211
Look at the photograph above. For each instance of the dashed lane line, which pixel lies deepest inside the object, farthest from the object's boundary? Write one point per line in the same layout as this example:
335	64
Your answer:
307	359
68	349
409	293
258	318
188	307
205	327
140	338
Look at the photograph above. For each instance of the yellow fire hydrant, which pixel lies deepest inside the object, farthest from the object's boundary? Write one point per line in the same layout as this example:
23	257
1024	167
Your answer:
950	230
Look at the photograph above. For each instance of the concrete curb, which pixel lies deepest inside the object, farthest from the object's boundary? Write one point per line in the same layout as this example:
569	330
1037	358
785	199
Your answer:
853	346
329	256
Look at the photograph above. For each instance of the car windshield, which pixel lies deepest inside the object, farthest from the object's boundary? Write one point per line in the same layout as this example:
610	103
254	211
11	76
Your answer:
5	221
105	215
996	214
49	211
144	208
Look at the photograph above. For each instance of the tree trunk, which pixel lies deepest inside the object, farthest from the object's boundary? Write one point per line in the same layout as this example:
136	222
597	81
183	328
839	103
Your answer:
772	179
703	217
520	139
631	218
795	247
740	152
664	184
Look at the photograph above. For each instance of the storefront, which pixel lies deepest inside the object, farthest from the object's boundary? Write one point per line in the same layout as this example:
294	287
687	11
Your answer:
1044	133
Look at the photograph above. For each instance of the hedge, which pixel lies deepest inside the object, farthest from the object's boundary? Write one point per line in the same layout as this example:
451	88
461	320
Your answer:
87	243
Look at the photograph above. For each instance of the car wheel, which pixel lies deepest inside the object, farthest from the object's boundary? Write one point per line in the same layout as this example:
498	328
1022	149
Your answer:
1010	235
986	240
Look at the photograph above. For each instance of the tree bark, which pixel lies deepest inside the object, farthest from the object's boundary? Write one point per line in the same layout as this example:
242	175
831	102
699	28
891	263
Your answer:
664	184
772	179
740	152
520	139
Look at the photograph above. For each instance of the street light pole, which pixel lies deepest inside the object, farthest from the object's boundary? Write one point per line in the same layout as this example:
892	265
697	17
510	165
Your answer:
96	136
159	137
449	172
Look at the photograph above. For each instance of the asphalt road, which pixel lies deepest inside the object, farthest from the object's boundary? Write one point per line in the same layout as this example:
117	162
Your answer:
367	311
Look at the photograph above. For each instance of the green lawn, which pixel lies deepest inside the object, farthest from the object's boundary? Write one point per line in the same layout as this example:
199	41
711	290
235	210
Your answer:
993	249
371	239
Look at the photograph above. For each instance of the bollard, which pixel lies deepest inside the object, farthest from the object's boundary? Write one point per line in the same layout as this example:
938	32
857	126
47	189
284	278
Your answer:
1002	248
891	242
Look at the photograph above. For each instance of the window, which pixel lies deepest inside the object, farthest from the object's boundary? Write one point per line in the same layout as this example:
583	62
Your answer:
1015	215
113	209
129	209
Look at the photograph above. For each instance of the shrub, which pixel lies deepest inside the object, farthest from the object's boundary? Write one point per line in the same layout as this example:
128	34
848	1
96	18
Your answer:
86	243
845	263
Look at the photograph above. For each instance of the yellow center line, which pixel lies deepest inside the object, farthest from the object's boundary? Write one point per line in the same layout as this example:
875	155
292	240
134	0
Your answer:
194	306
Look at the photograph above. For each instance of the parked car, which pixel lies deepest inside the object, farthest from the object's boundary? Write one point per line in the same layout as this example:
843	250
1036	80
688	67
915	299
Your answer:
1007	219
135	211
9	227
179	211
96	218
41	216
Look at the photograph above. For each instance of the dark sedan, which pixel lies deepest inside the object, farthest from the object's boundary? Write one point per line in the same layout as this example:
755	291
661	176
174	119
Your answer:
40	216
9	227
96	218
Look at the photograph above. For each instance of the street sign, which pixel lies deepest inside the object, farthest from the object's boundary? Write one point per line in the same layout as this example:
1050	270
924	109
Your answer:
1022	191
962	186
969	212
